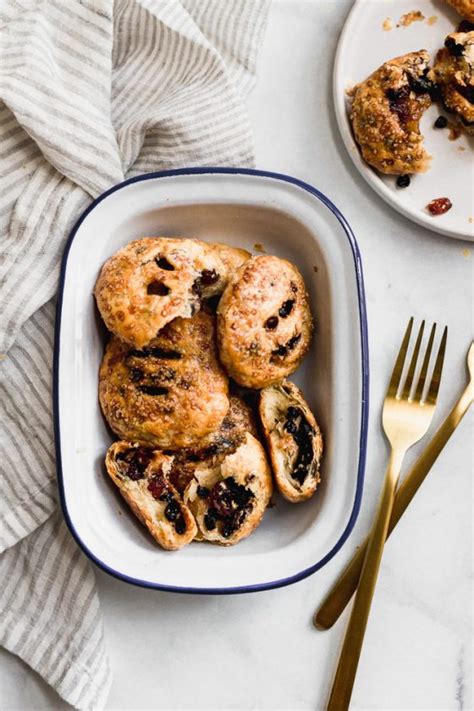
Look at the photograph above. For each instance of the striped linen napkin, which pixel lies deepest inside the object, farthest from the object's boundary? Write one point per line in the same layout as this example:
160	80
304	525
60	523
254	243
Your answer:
91	92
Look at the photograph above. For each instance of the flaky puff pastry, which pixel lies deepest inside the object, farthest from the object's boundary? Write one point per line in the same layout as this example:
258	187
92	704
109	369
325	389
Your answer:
153	280
386	111
264	323
169	394
228	499
141	476
293	439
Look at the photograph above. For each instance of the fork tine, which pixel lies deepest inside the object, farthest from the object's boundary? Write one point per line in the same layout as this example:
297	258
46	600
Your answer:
424	368
399	363
414	358
438	369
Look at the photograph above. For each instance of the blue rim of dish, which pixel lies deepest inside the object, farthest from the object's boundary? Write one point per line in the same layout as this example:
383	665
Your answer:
365	382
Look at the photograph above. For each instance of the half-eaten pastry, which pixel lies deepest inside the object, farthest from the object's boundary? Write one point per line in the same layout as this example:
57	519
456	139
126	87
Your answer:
293	438
141	476
386	111
228	498
453	71
153	280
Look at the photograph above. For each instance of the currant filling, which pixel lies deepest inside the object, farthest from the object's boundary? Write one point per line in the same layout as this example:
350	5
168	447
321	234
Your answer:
284	349
454	49
298	427
158	488
206	278
229	505
157	288
133	462
398	100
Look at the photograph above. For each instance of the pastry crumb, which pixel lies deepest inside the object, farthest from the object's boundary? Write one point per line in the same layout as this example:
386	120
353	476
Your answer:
315	269
259	247
454	132
471	220
466	253
432	20
350	90
461	148
3	356
410	17
387	24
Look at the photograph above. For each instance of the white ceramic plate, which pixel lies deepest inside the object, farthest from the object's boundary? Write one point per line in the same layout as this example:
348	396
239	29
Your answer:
364	46
244	208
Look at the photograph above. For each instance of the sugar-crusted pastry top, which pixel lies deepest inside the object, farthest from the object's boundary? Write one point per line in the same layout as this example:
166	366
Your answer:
171	393
264	323
153	280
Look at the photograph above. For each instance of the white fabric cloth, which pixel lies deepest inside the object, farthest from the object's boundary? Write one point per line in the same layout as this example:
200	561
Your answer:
91	92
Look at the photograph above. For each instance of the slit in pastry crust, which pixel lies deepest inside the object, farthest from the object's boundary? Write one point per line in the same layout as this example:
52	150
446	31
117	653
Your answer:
293	438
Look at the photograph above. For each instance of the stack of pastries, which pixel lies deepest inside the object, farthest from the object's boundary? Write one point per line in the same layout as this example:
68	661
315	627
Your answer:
194	384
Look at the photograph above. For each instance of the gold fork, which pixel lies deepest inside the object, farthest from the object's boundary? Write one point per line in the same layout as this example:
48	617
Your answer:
343	589
405	421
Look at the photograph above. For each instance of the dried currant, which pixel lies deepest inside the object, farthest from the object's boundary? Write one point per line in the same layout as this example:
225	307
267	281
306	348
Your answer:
157	288
439	206
271	323
286	308
133	462
163	263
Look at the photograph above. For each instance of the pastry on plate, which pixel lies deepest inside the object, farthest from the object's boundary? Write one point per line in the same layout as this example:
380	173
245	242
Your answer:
464	7
217	445
386	111
153	280
264	323
141	476
169	394
293	439
228	498
453	72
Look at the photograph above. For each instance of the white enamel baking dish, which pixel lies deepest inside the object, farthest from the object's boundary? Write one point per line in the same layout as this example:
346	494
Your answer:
282	216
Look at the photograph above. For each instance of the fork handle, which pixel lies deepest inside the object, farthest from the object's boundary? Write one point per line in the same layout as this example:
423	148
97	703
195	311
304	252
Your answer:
349	658
343	589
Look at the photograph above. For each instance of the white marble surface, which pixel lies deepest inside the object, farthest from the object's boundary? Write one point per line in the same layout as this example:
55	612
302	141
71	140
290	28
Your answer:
259	651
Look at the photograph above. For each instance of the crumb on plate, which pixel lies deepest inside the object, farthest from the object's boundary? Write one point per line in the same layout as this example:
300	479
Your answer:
432	20
454	132
387	24
466	253
258	247
410	17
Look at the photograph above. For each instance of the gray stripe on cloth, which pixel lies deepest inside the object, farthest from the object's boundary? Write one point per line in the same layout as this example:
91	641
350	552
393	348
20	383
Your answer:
91	91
